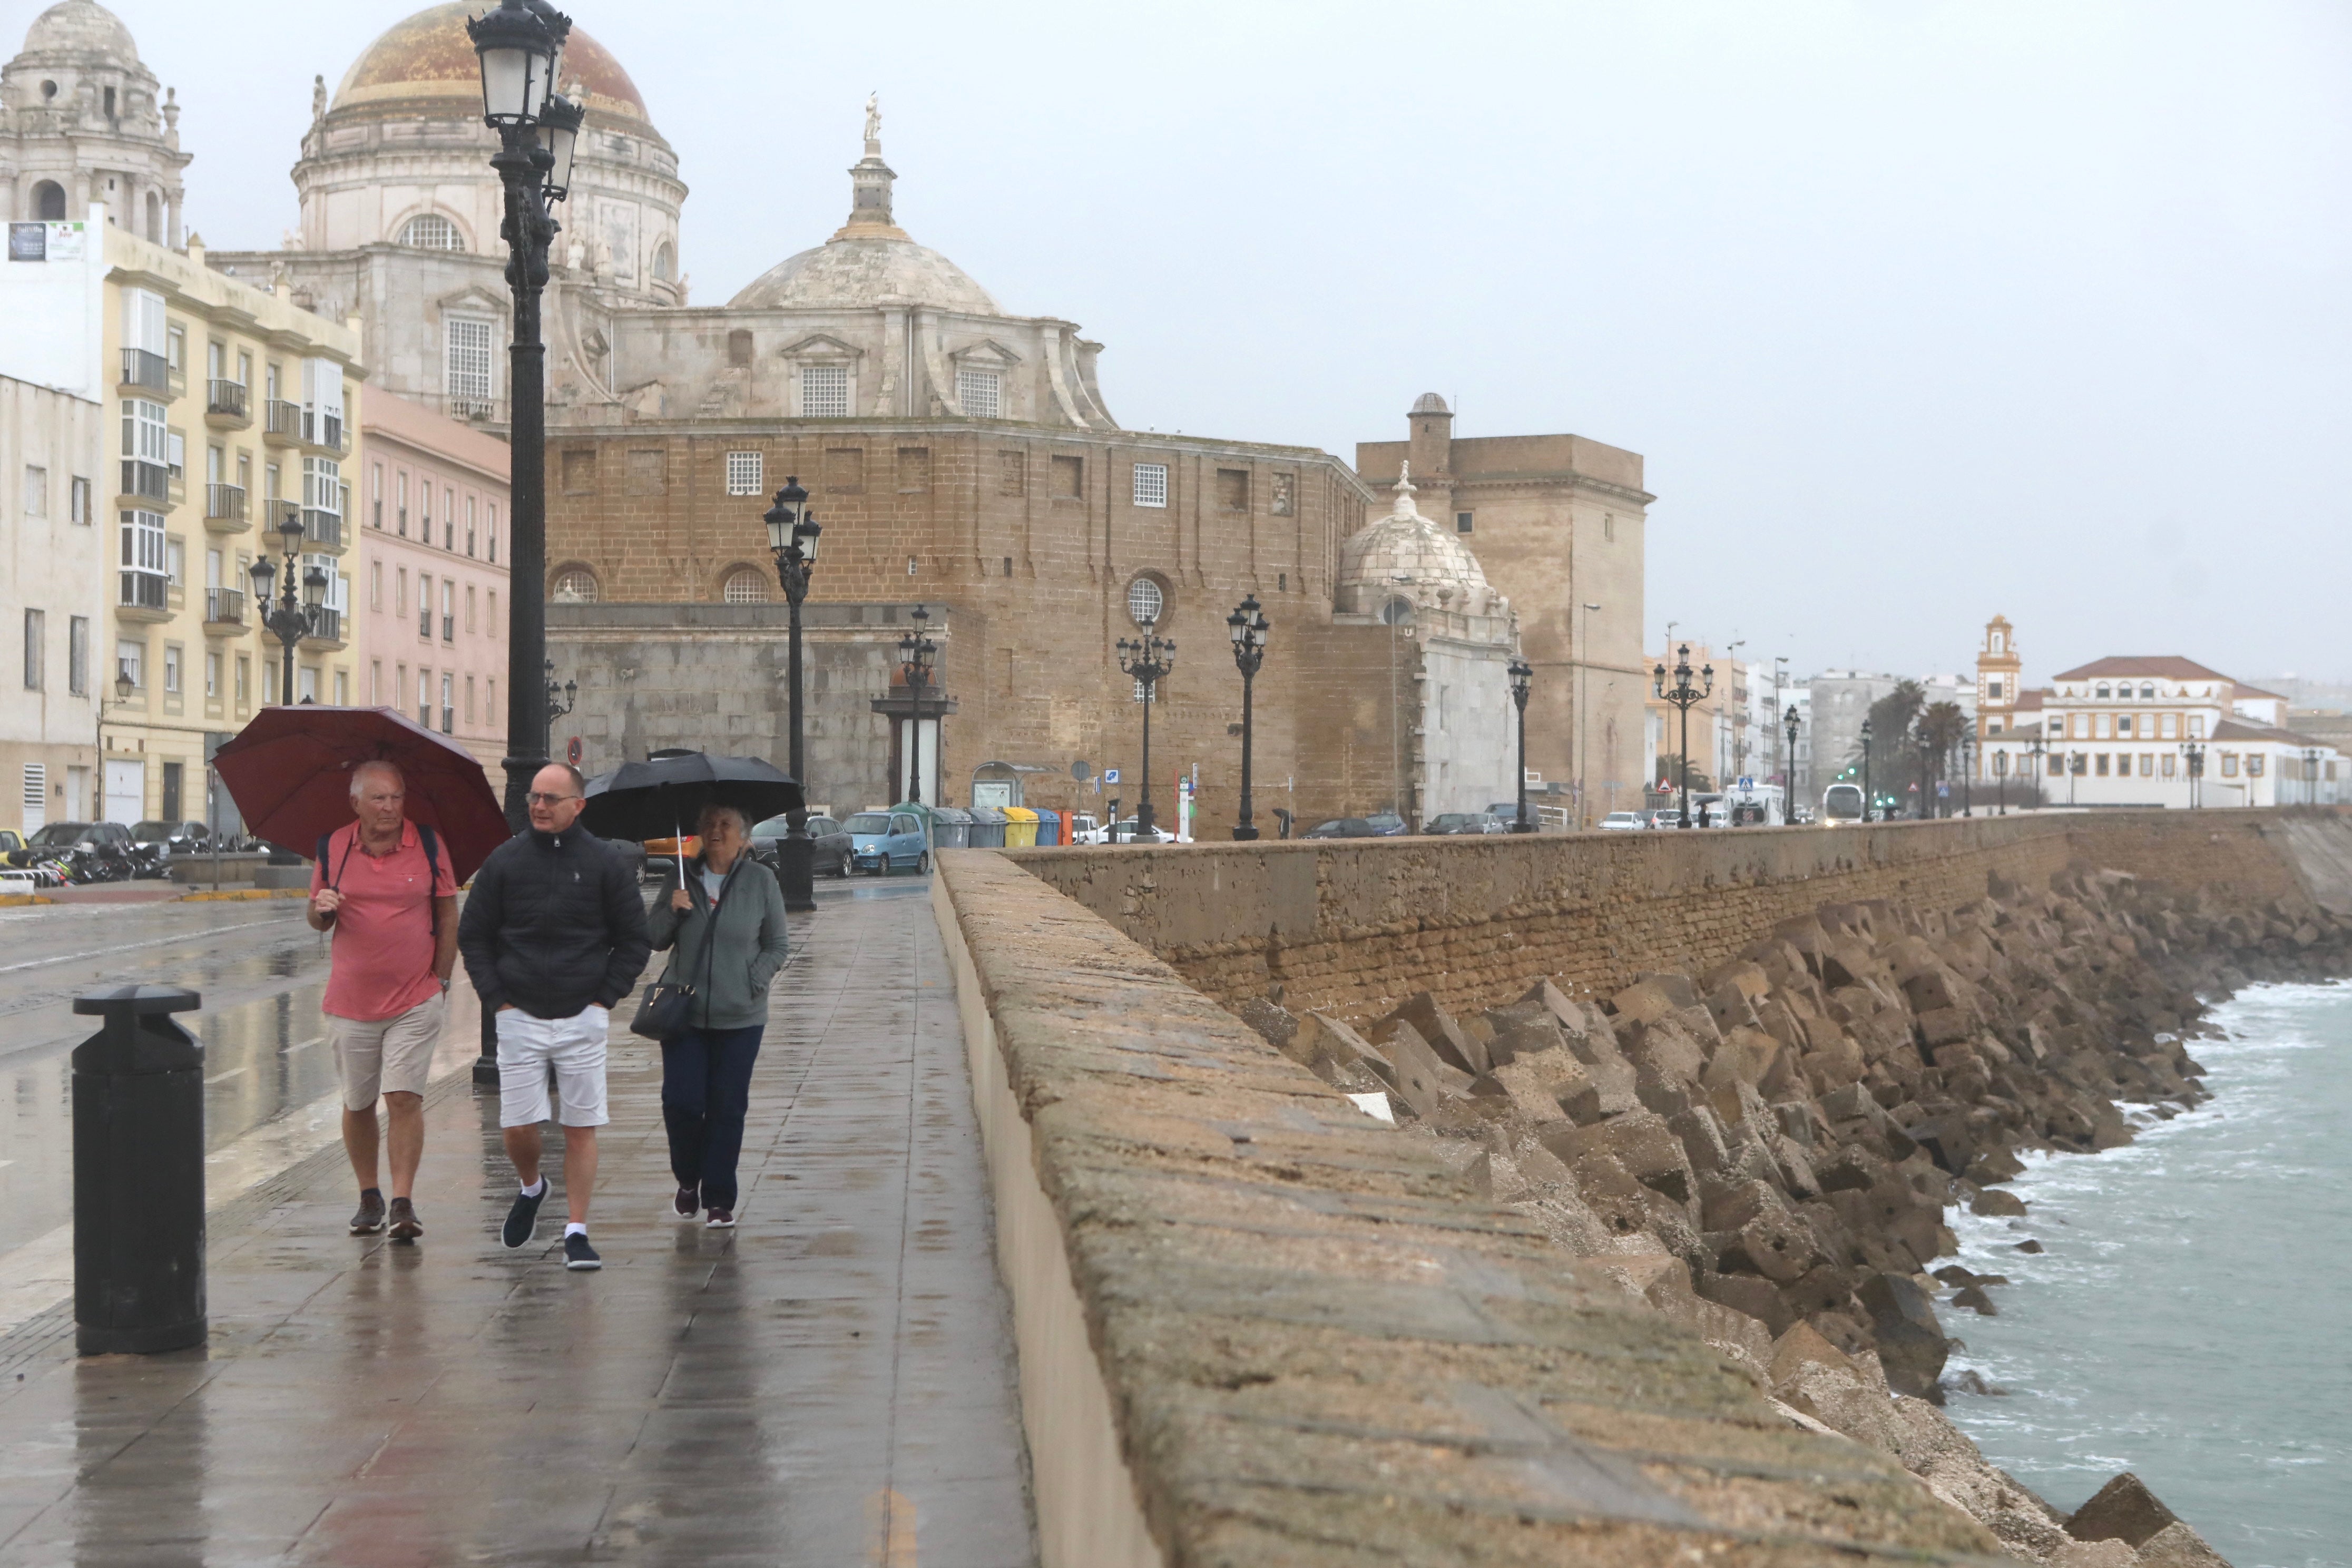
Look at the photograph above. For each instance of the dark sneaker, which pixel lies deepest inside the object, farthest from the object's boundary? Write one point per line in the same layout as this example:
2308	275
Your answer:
405	1226
720	1219
522	1220
578	1254
688	1202
370	1218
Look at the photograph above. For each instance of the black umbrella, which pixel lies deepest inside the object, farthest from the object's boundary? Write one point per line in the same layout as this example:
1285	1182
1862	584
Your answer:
657	797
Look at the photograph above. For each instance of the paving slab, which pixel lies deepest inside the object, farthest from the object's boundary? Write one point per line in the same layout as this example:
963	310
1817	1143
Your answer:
830	1384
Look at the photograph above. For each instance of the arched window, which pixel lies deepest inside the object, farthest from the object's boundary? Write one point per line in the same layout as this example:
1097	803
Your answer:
746	585
665	262
2148	690
431	231
575	586
1145	601
2103	692
49	201
1397	612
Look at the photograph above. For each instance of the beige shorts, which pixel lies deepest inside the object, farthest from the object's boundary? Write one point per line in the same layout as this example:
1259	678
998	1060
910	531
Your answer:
387	1056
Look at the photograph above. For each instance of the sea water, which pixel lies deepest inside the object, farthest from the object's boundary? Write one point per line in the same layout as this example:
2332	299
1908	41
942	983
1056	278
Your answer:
2192	1318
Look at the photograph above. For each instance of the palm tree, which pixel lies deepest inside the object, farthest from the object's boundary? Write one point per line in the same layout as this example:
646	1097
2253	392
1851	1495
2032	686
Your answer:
1941	725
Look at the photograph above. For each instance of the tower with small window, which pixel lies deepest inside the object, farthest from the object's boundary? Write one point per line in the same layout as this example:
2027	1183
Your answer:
1998	672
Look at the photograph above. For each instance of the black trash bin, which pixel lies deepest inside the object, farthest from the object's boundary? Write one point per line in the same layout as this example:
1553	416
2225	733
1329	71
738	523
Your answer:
139	1174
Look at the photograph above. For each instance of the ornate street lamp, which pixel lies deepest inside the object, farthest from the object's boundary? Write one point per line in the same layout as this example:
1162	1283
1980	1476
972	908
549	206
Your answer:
1968	771
1682	695
793	531
2037	753
1247	626
1146	660
2000	783
520	46
289	617
917	658
2195	755
2310	776
1866	802
1789	771
1522	677
570	694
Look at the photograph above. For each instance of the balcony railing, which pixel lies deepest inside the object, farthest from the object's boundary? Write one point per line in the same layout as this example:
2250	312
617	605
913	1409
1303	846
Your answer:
323	430
424	623
142	369
326	625
225	503
226	399
281	420
449	628
224	606
151	481
145	591
448	721
324	529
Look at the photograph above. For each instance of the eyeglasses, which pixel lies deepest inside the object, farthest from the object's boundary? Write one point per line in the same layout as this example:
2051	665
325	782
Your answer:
537	799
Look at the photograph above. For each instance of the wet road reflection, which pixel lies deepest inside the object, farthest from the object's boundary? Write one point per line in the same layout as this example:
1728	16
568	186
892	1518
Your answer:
260	970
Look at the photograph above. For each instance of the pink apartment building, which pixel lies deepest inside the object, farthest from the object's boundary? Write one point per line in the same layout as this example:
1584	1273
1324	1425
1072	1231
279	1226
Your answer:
432	573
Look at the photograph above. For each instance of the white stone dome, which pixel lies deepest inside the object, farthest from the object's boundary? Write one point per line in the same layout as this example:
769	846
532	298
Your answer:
859	273
80	27
1405	555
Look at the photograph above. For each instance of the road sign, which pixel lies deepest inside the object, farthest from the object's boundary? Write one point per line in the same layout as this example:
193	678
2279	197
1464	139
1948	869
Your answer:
1944	791
572	751
1110	775
1746	782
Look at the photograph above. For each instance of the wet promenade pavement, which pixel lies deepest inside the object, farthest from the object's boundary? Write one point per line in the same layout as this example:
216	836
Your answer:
830	1384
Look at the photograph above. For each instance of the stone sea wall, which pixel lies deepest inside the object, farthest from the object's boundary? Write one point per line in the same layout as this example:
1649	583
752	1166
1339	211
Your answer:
1350	927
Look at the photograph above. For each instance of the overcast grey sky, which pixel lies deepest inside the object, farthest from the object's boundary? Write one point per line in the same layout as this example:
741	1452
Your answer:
1917	312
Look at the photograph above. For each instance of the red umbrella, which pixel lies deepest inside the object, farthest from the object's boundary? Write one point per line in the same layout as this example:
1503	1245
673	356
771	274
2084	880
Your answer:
289	771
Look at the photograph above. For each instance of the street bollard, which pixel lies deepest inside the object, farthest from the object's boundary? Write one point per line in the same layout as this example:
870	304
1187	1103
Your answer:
139	1174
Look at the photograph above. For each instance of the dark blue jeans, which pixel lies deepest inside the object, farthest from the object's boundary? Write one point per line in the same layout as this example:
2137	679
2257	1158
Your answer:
706	1089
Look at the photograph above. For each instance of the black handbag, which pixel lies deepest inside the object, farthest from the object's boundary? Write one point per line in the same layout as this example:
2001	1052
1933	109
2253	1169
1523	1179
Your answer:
666	1009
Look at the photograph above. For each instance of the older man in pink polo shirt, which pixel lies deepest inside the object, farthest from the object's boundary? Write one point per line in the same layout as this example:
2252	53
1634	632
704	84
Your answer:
384	888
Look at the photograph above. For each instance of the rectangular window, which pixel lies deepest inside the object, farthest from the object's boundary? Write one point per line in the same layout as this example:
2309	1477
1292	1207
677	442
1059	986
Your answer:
469	525
2100	723
425	697
1464	522
472	348
448	703
400	501
448	518
80	511
976	390
2169	762
78	654
130	661
142	584
469	700
375	682
1233	490
2102	764
2228	764
1609	527
37	491
176	561
243	680
145	436
400	591
2254	764
469	609
425	500
172	669
343	688
376	503
175	347
1992	691
2196	726
306	684
423	605
35	640
270	489
375	584
744	473
1151	485
212	677
493	553
2171	723
2057	765
449	610
492	623
2124	725
824	392
2147	765
1069	478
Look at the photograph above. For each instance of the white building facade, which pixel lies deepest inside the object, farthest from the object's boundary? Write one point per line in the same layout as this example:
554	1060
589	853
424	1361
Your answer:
53	560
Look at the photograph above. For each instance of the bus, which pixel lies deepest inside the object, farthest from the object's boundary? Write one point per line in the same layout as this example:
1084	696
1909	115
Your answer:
1841	805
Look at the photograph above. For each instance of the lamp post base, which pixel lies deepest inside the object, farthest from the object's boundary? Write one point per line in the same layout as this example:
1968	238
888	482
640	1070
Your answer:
1244	833
796	866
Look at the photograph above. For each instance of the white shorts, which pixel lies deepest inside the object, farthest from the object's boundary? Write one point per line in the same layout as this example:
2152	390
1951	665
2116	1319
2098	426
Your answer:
386	1056
574	1047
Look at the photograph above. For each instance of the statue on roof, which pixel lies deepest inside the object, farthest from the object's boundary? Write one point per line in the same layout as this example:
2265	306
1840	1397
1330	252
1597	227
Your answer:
873	117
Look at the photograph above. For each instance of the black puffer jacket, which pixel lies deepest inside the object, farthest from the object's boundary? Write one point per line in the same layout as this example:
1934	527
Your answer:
553	924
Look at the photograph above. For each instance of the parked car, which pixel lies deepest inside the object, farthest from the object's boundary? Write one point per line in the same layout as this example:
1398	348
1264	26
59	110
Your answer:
1666	816
832	845
91	851
1126	831
1387	825
182	838
882	842
1342	827
1088	828
1625	822
1466	822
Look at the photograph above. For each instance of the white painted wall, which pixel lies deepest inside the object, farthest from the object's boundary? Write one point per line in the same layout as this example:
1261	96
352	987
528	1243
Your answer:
52	326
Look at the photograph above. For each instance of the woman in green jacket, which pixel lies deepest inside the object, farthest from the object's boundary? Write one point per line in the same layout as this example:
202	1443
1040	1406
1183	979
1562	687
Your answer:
725	933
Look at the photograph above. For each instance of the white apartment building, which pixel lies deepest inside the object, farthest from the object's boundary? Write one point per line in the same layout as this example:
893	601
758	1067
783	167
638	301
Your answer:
53	560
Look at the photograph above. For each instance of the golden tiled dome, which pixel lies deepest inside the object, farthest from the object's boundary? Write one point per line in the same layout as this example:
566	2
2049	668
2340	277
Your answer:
428	55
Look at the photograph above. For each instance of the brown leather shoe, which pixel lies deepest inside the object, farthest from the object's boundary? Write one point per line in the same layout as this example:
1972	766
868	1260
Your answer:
405	1226
370	1218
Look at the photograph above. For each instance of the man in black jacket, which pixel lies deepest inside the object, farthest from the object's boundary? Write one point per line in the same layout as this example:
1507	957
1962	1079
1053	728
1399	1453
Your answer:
553	935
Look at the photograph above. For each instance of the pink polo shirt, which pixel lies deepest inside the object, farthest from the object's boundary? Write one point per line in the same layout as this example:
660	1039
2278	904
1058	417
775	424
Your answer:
383	963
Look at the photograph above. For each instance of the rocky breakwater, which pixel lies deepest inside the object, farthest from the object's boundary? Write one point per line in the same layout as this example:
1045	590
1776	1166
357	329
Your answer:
1765	1152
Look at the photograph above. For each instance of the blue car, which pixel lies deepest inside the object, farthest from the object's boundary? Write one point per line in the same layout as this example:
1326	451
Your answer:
887	841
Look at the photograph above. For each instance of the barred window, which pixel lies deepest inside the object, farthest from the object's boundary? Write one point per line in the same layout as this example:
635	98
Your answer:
1144	601
824	392
1151	484
471	347
744	470
576	585
976	390
431	231
746	585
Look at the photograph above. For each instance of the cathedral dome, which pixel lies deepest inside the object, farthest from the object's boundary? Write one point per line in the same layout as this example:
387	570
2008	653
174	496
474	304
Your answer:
428	56
860	273
1405	555
80	27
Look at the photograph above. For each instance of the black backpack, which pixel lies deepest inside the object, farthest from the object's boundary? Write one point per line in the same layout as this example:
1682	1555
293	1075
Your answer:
431	840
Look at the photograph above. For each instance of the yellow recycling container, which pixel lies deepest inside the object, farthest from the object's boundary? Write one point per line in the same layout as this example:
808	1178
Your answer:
1020	827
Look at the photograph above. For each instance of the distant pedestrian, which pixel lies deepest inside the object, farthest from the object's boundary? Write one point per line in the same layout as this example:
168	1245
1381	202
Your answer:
385	889
553	934
726	925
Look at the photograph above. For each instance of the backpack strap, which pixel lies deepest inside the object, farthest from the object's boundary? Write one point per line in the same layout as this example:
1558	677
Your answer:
432	842
326	838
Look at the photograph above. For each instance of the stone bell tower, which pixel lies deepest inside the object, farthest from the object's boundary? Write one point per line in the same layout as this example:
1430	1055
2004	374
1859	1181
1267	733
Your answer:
1999	670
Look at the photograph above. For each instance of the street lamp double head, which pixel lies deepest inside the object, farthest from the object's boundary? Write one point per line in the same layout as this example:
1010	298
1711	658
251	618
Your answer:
917	660
792	532
1867	803
1685	696
1789	768
1522	676
561	700
1247	626
2195	755
288	614
1146	660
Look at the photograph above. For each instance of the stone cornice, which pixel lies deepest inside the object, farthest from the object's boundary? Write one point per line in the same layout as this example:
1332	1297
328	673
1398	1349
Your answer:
1533	476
